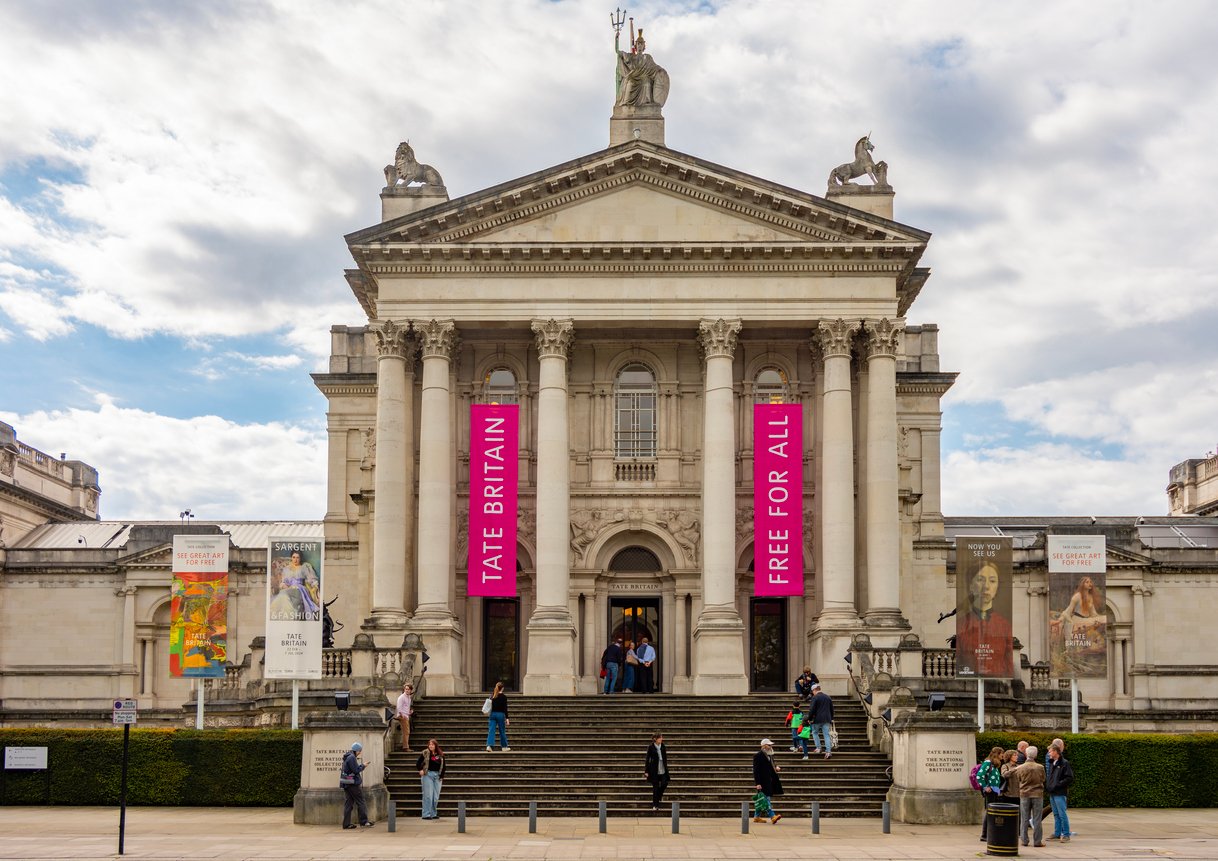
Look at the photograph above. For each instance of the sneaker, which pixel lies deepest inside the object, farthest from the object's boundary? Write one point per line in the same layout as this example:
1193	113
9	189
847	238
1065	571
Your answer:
817	750
792	749
805	757
489	749
1065	838
828	756
777	816
755	819
507	748
348	826
367	824
1038	845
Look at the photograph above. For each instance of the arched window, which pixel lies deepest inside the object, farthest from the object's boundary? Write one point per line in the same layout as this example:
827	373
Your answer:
771	387
635	413
635	560
499	387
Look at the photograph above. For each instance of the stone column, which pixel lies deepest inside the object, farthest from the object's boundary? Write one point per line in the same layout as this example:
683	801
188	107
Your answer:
719	634
1141	643
434	620
883	522
127	674
393	494
551	656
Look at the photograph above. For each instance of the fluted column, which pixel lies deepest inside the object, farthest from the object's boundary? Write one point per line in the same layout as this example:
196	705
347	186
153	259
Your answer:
883	521
838	610
551	657
719	634
434	619
1142	688
127	673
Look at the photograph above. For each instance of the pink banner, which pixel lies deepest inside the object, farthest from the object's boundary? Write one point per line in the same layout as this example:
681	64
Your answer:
778	500
493	466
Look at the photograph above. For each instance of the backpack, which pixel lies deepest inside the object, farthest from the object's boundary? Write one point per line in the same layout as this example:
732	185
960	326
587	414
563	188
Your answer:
972	777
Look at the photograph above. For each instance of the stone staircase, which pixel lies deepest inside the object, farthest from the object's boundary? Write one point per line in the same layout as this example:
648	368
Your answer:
568	753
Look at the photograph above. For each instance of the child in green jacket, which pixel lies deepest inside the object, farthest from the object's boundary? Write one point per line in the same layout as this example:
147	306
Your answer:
795	719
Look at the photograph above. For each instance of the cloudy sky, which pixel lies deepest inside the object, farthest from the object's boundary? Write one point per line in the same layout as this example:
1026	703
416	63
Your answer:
176	179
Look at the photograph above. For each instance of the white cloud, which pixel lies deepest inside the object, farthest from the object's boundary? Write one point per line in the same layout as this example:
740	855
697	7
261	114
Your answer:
270	363
152	466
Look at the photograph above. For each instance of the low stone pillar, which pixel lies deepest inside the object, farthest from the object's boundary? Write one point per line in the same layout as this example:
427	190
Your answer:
327	738
932	753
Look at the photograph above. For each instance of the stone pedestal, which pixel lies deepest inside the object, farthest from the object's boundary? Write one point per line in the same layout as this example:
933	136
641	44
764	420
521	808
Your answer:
876	199
327	738
642	123
404	200
932	753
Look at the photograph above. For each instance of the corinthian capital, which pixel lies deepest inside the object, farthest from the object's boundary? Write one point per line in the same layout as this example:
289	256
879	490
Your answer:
438	338
883	336
554	337
718	337
393	340
834	337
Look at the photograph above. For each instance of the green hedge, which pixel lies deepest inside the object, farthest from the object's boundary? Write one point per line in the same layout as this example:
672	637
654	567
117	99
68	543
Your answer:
212	768
1130	769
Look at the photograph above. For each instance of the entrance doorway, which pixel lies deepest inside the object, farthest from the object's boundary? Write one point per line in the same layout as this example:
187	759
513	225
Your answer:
768	644
501	643
633	619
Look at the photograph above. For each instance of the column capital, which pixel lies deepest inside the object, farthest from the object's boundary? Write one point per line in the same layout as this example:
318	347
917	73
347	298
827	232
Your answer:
834	337
1142	591
554	337
718	337
439	338
393	340
883	337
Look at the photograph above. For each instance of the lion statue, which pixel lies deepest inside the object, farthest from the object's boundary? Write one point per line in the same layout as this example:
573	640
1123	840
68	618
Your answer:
406	170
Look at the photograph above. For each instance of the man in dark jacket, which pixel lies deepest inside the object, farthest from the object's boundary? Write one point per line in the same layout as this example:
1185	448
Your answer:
821	716
611	662
351	780
765	777
1061	776
655	769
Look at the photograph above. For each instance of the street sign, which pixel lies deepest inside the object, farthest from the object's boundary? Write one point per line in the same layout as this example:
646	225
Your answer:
25	758
124	712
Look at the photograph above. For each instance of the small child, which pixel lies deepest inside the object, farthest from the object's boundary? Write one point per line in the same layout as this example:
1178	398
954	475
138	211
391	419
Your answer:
805	732
795	718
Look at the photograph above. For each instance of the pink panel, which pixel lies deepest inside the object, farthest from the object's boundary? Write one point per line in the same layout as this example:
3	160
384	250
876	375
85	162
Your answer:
493	466
778	500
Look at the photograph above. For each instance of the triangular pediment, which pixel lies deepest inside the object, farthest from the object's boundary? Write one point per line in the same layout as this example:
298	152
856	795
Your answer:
640	192
156	557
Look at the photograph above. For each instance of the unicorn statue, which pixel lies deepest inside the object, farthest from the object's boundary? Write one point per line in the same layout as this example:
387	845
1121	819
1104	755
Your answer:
862	165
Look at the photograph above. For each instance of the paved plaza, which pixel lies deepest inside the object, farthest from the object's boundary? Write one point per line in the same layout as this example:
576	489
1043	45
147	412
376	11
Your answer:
257	833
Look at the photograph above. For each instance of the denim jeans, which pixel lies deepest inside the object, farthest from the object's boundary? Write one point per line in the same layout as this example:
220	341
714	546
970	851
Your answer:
611	677
431	794
802	743
1029	810
496	720
1061	822
819	731
767	811
628	679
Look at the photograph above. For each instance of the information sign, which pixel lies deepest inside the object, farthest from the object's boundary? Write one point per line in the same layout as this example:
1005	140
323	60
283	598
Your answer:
124	712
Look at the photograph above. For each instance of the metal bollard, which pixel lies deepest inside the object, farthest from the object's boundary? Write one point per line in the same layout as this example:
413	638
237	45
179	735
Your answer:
744	817
602	813
393	816
887	818
532	817
460	817
816	817
676	817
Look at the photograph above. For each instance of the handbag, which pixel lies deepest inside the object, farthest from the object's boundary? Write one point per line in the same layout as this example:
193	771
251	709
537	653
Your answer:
486	706
632	659
833	734
604	672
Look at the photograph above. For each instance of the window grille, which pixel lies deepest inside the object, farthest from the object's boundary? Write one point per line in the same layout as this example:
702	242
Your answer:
635	560
499	387
635	413
771	387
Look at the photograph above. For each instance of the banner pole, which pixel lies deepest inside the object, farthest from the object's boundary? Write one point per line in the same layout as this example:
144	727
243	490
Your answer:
981	705
295	703
201	688
1074	706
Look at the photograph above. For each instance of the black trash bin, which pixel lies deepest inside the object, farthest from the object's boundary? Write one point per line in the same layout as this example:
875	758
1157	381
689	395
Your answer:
1002	830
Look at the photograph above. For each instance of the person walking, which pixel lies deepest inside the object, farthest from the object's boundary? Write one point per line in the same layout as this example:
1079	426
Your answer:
990	778
655	768
765	778
795	720
497	719
647	658
431	767
611	662
1030	778
632	664
1061	777
821	708
351	779
404	710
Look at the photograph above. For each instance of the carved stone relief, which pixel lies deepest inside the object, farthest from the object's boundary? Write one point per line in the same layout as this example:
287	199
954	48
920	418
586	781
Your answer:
687	531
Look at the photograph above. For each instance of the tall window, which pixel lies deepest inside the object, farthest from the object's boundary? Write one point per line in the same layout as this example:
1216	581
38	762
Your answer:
499	387
771	387
635	413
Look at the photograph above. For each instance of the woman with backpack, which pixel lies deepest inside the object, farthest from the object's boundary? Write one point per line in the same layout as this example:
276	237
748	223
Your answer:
497	719
989	780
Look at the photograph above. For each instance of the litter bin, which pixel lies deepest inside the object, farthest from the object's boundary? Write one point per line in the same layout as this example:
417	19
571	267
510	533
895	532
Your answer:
1002	830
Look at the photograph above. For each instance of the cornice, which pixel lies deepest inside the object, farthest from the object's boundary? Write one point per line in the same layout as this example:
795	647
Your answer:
924	383
345	384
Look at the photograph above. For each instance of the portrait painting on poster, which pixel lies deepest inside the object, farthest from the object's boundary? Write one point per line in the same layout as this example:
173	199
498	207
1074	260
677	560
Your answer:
1078	618
494	452
294	599
983	608
198	607
778	500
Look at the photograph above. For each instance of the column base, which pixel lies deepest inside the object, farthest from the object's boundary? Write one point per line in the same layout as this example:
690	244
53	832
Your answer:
442	637
719	653
551	659
827	648
386	627
885	617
